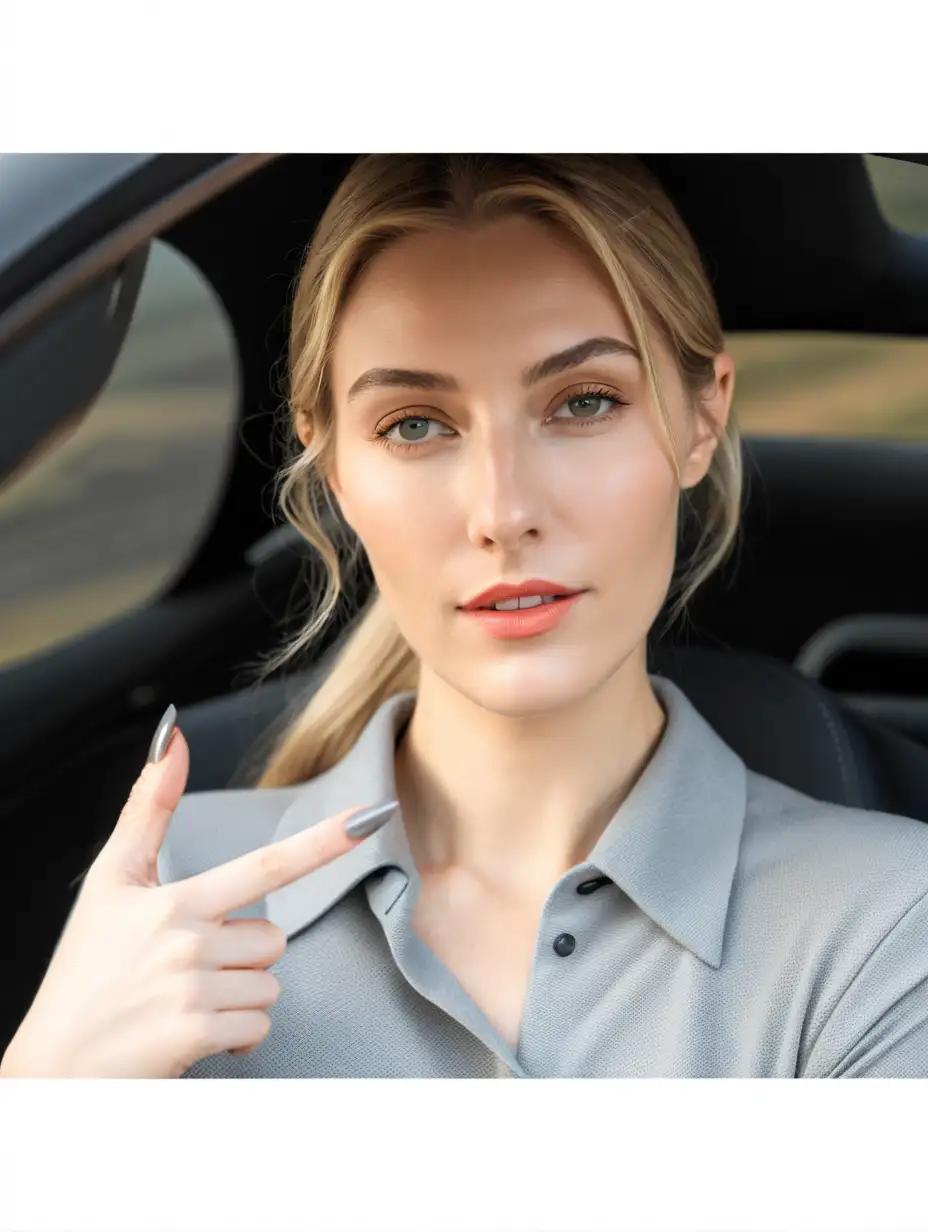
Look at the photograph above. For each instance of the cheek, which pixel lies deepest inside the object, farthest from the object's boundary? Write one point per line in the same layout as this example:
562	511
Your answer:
397	511
625	499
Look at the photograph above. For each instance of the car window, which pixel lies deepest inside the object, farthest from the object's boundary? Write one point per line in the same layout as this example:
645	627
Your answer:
829	385
107	518
901	190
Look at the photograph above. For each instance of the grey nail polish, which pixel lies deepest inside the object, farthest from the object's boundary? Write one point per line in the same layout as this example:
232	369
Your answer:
370	819
163	732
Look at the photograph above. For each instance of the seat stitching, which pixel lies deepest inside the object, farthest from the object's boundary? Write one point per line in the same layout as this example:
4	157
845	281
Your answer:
836	736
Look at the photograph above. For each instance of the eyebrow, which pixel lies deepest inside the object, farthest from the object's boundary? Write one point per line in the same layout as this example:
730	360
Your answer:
562	361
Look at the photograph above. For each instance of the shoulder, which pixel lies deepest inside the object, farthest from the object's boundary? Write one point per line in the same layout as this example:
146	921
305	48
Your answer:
845	868
211	827
796	825
841	896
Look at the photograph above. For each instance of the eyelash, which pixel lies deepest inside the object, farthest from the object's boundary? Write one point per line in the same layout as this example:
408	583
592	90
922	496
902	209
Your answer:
592	391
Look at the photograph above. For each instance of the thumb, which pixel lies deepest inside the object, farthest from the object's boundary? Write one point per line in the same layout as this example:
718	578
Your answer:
131	852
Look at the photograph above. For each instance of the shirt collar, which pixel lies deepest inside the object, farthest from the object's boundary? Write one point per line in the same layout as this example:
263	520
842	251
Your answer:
365	775
672	845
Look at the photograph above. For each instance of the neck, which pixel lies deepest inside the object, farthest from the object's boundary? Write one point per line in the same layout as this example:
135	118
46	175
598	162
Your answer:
519	800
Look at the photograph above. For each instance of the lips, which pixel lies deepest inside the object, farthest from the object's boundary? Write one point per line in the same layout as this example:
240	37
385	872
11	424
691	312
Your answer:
523	622
503	591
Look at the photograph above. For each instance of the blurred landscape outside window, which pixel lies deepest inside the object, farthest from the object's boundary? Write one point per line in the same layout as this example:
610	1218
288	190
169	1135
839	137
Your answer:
842	385
106	520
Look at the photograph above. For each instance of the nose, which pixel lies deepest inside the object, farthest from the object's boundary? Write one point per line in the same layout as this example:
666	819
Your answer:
503	495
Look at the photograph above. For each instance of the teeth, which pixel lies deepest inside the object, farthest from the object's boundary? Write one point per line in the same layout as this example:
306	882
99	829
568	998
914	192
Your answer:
511	605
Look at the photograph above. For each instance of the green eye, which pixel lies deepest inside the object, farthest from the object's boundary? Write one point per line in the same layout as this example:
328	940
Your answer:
587	406
415	428
411	431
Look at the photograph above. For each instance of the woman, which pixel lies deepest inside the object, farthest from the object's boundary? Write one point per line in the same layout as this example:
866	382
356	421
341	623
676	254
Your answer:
511	376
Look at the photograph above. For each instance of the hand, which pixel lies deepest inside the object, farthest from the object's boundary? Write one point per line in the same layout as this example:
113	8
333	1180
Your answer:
148	978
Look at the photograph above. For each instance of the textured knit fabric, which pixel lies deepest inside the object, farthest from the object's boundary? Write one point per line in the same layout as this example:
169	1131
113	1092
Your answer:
742	930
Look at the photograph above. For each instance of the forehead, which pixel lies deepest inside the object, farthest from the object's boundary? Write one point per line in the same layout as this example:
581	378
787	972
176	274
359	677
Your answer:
510	291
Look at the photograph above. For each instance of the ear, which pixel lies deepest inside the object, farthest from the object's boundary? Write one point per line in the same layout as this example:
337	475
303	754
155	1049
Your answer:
304	430
709	422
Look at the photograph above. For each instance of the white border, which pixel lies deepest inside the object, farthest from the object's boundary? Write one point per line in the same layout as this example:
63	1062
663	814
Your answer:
557	1156
189	75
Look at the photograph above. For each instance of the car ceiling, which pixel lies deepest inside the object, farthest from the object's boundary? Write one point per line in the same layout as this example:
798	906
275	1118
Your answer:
791	241
822	231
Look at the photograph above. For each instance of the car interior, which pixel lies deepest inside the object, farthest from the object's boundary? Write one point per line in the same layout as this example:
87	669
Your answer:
807	652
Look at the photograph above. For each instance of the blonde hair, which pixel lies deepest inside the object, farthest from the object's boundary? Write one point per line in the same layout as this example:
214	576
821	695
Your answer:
619	212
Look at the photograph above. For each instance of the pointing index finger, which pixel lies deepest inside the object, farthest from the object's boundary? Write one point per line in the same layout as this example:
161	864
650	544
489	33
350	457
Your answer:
251	877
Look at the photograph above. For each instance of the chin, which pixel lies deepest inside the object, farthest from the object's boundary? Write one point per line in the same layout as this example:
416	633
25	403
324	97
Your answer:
521	690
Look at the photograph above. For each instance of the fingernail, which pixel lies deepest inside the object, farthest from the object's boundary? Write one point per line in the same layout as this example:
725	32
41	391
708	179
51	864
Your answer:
370	819
163	733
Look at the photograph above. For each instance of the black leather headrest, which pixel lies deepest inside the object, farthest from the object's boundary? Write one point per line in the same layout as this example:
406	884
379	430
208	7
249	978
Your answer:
786	726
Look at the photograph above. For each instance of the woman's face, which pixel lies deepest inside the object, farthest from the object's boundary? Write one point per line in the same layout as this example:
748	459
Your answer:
483	436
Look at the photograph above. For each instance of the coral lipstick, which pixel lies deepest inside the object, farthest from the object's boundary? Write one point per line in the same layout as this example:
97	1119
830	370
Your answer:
529	609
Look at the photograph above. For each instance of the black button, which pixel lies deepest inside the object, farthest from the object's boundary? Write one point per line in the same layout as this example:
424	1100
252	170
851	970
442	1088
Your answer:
564	944
588	887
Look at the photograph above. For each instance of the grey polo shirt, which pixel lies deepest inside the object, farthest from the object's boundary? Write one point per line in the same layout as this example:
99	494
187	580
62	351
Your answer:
724	925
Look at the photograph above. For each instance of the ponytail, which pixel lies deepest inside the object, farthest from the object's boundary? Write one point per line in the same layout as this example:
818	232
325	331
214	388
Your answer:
375	663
